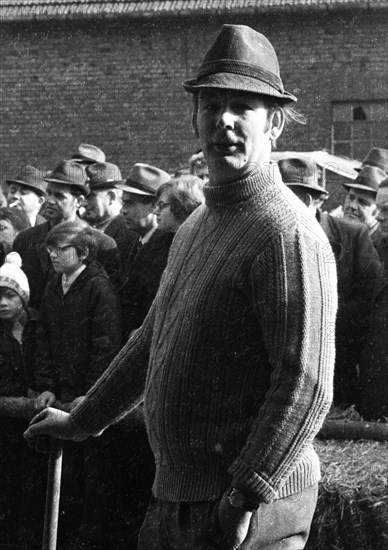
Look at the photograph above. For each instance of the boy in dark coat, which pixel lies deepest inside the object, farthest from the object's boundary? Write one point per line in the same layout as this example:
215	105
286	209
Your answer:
19	325
82	321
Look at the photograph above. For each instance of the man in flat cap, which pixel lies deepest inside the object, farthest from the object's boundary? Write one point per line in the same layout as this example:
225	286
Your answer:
66	191
238	339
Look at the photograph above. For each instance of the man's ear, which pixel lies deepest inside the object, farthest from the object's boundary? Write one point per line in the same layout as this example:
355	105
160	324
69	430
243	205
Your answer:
277	124
41	200
84	255
81	200
112	195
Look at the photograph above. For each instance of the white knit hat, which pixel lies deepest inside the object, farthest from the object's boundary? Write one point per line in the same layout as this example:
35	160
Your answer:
11	276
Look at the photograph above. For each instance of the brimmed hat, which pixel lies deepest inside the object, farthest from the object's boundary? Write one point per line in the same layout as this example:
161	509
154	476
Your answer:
32	178
144	179
11	276
376	157
103	175
88	154
71	173
367	180
297	172
241	59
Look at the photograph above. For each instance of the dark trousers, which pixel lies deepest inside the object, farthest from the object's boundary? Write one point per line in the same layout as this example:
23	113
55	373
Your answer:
282	525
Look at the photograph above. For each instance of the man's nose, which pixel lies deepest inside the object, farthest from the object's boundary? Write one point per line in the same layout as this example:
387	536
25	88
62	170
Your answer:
226	117
353	204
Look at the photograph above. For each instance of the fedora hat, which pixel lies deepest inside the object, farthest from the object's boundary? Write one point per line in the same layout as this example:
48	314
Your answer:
241	59
144	179
299	172
88	154
71	173
103	175
376	157
32	178
368	179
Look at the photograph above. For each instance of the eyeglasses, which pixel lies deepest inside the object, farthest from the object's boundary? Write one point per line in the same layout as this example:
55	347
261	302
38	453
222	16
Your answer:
162	205
58	249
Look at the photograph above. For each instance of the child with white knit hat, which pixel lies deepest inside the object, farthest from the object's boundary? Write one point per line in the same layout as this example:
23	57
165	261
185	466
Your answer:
19	326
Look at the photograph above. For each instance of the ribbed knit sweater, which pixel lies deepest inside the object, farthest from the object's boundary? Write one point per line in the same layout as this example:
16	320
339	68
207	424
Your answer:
239	344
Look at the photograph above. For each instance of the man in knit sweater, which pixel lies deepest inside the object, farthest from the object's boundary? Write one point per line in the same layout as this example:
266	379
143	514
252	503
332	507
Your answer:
238	341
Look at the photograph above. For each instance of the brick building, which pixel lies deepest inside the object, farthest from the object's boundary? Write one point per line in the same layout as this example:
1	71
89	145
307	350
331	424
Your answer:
110	73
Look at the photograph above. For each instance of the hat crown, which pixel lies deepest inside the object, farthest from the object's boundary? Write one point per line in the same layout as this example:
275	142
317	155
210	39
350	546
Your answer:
239	45
11	276
69	172
31	177
298	170
89	153
147	178
378	158
103	173
369	177
241	59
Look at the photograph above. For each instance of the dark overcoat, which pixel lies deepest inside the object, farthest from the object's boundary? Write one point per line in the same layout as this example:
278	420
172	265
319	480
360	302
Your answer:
374	359
358	267
83	332
142	278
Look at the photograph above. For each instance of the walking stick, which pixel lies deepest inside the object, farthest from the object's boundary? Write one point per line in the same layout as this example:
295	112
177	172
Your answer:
53	491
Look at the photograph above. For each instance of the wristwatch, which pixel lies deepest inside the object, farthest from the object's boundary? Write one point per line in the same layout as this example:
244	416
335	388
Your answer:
237	499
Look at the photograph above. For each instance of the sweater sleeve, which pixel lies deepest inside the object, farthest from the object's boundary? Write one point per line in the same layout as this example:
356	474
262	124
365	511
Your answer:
120	388
294	294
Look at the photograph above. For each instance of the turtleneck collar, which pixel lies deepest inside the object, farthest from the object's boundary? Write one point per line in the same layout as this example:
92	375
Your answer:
255	182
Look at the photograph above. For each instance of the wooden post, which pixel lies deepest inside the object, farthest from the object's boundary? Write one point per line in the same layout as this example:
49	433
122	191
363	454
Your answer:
53	492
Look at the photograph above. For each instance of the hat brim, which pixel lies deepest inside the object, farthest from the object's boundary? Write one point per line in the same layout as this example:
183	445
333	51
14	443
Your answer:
129	189
360	187
84	188
231	81
307	186
36	190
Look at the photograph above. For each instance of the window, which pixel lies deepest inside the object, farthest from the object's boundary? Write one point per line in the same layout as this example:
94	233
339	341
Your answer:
358	126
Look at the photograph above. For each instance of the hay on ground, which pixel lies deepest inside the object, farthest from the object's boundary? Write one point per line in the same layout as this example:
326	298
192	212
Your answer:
352	510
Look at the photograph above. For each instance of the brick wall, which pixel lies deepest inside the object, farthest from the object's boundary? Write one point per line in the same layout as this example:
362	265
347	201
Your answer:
116	84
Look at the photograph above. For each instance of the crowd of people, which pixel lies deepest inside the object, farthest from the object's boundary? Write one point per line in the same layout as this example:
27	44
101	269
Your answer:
143	308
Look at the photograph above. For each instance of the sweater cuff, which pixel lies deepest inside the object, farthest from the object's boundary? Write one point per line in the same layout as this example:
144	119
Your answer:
248	480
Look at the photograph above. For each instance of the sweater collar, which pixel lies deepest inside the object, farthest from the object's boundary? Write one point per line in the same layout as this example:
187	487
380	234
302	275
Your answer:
256	182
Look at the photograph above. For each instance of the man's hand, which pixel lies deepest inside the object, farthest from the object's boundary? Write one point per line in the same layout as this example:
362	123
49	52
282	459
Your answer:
54	423
234	522
44	400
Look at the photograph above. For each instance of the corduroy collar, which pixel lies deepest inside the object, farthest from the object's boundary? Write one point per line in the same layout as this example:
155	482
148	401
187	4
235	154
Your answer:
255	182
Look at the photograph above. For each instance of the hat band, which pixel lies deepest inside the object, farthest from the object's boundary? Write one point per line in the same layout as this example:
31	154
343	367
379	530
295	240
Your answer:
240	68
140	186
301	181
